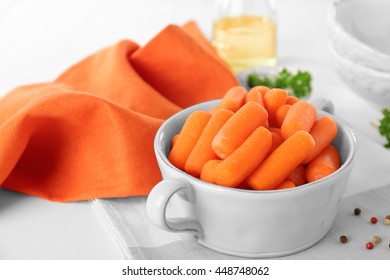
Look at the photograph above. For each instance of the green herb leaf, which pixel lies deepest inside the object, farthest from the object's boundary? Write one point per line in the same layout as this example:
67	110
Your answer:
256	80
298	84
384	126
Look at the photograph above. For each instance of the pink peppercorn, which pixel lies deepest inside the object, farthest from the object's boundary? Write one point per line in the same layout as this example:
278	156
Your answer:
374	220
369	245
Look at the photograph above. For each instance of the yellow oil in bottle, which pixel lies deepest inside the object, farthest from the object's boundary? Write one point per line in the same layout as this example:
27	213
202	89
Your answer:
245	41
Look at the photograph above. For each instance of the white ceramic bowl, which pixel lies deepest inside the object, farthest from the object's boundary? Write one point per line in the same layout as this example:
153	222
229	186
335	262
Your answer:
359	31
370	84
244	222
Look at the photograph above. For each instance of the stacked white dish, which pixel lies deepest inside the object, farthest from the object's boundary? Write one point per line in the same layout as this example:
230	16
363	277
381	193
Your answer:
359	32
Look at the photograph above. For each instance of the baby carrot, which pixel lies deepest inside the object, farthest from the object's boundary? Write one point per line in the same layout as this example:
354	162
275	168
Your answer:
254	95
233	99
274	129
236	167
189	135
262	89
281	113
317	171
273	99
174	139
202	151
208	169
327	162
297	176
330	155
278	165
244	186
234	132
266	124
323	131
301	116
277	140
291	100
286	184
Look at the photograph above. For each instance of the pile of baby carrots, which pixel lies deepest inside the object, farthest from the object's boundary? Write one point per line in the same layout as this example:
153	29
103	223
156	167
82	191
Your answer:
263	139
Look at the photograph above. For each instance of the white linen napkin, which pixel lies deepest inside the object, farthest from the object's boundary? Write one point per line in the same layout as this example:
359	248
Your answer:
368	189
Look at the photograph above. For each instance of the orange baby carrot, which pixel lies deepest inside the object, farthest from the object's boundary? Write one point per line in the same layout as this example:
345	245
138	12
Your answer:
327	162
273	99
208	169
262	89
233	99
323	131
291	100
277	140
286	184
317	171
266	124
174	139
297	176
244	186
301	116
236	167
234	132
274	129
278	165
189	135
202	151
254	95
281	113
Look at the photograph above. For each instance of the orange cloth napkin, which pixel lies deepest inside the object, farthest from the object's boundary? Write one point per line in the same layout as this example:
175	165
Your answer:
89	134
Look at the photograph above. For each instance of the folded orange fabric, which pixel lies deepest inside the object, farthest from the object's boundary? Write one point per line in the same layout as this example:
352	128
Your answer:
89	134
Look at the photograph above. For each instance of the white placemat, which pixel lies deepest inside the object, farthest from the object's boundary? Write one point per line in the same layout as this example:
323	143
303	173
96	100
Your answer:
368	189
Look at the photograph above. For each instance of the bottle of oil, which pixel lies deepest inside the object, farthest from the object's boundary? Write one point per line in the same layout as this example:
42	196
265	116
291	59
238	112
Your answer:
244	33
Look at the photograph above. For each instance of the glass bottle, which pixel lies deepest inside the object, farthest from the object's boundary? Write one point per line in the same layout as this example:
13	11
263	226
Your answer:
244	33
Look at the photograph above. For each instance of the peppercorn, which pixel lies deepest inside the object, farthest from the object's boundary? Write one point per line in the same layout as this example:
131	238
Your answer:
376	239
387	222
374	220
343	239
369	245
357	211
388	217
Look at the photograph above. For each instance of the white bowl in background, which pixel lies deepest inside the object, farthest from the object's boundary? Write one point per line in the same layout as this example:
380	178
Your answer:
370	84
359	30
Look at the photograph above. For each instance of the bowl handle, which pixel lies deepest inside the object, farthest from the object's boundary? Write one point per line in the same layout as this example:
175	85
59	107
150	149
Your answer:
323	104
157	202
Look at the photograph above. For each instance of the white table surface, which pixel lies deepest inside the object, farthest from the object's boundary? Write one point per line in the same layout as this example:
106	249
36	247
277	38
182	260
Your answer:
40	39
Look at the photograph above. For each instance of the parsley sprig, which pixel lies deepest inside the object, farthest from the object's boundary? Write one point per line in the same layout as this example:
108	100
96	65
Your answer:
384	126
298	84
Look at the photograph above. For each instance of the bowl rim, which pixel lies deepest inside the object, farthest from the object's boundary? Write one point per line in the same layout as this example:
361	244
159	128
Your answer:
305	187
